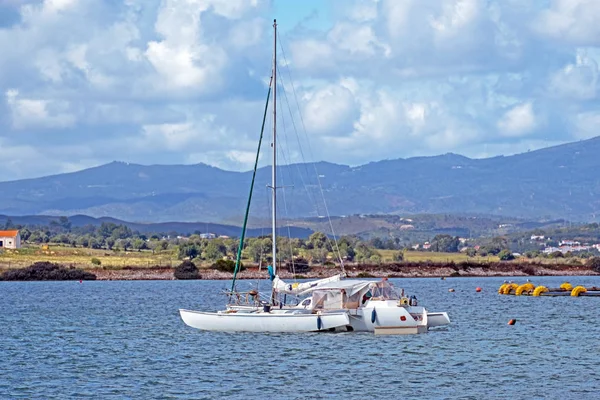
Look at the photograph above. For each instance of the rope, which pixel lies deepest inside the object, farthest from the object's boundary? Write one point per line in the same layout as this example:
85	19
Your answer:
337	248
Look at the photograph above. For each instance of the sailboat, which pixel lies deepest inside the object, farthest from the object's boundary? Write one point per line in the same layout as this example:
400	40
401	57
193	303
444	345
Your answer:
331	304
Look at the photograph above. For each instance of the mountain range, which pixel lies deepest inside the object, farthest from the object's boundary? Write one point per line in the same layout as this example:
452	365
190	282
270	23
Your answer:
555	182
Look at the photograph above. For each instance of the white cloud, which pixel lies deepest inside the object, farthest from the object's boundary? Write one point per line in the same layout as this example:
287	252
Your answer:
518	121
577	80
32	113
587	124
174	81
330	110
571	21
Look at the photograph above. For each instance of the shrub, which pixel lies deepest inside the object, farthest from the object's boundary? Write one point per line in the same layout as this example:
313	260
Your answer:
299	265
529	270
187	270
96	261
398	256
226	266
594	262
505	255
47	271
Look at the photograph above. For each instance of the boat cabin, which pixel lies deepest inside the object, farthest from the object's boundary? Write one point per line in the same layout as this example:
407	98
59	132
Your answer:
349	294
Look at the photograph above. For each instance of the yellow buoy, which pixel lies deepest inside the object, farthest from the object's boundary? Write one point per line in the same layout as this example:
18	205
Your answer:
566	286
509	287
539	290
526	287
501	288
577	290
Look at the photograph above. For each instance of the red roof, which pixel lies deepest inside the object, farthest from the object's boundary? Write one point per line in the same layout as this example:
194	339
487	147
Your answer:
13	233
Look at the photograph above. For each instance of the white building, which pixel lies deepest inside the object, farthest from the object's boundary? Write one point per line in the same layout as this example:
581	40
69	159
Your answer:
10	239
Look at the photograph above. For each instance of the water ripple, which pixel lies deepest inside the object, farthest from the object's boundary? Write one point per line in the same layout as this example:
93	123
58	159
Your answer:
113	340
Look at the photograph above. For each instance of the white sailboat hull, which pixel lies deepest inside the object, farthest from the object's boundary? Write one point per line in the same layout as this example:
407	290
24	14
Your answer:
264	322
434	319
380	317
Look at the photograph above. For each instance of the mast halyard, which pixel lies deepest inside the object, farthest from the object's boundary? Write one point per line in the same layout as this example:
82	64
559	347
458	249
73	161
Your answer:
274	167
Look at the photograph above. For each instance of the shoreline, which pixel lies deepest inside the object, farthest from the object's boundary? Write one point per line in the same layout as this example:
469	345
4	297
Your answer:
383	271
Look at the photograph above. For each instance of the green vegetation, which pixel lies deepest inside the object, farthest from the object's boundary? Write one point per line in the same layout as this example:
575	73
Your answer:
46	271
113	246
187	270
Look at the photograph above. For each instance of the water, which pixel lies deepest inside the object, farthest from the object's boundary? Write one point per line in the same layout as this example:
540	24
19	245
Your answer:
66	340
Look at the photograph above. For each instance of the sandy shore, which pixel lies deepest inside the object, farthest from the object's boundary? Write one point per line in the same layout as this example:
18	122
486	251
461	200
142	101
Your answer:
364	271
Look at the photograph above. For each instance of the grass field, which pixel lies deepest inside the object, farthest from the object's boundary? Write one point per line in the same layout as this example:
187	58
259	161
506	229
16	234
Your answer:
82	258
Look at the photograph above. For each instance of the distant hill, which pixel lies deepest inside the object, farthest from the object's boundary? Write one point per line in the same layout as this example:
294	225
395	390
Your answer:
181	228
556	182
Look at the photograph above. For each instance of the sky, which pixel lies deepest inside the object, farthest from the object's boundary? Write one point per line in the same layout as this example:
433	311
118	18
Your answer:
86	82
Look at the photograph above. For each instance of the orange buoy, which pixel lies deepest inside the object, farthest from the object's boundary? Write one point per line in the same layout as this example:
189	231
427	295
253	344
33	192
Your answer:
512	322
478	289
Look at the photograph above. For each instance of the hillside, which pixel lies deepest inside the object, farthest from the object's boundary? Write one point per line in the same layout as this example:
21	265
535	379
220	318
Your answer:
556	182
173	228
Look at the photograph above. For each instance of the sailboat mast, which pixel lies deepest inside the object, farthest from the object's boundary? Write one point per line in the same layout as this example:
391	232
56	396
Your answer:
274	167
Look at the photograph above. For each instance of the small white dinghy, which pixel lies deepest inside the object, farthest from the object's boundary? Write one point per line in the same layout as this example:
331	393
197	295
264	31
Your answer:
330	304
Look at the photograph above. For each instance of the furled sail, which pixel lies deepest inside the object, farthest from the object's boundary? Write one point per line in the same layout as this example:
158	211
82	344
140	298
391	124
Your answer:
297	287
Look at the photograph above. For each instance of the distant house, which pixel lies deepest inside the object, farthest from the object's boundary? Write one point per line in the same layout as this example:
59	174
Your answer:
537	237
207	236
10	239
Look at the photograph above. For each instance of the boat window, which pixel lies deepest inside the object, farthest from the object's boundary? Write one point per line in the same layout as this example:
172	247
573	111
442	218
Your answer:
384	290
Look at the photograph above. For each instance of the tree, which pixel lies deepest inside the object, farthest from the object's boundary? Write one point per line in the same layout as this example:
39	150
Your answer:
65	223
505	255
139	244
318	255
377	243
347	251
318	240
259	248
83	241
445	243
398	256
110	242
363	252
214	250
189	250
471	252
124	244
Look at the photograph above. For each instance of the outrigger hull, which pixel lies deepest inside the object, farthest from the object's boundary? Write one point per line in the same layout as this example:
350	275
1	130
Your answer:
264	322
437	319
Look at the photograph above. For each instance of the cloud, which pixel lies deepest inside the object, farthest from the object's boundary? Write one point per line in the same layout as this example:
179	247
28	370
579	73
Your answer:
27	113
518	121
180	81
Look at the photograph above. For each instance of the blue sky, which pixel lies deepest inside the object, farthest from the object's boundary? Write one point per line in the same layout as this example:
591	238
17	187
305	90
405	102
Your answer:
85	82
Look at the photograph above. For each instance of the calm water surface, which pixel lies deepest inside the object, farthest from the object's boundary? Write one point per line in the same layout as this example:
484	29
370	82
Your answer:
61	340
